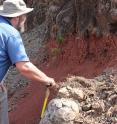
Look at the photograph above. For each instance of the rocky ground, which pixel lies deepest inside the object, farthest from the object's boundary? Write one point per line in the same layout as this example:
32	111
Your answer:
85	101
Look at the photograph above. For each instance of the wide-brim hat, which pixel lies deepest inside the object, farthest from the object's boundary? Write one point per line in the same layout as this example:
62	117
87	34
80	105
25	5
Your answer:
14	8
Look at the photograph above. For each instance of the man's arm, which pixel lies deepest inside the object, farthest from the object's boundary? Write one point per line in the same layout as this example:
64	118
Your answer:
31	72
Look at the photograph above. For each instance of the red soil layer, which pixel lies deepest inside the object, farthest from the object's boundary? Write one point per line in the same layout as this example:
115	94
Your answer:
86	58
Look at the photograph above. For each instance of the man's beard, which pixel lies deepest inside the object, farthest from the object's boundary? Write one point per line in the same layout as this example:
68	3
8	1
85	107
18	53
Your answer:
21	27
21	24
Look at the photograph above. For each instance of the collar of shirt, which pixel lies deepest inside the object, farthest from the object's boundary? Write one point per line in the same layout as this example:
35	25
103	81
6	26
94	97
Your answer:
5	20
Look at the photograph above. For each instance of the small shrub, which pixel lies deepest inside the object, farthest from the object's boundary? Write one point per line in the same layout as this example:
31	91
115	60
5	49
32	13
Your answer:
55	52
60	40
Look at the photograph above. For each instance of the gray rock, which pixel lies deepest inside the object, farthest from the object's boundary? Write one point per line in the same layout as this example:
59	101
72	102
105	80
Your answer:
63	114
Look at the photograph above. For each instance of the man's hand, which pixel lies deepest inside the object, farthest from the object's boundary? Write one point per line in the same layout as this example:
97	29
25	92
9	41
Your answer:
51	84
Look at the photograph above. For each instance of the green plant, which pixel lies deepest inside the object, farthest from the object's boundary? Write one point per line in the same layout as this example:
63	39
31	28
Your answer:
60	40
55	52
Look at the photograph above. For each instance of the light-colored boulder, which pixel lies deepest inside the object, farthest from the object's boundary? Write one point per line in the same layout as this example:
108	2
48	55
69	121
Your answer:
61	111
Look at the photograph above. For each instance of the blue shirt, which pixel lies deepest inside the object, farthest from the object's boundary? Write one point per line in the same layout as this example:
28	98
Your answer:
11	47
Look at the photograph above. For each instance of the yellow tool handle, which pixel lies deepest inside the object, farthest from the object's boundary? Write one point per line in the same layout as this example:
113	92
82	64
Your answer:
45	102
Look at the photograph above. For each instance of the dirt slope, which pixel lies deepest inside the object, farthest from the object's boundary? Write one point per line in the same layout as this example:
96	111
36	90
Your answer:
73	57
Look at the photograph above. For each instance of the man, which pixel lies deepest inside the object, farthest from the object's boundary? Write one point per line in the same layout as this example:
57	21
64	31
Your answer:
12	51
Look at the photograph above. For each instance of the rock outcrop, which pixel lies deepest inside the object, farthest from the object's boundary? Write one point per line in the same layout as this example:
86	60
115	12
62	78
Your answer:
74	16
94	17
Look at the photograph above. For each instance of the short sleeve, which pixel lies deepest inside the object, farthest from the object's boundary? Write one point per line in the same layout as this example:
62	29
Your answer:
16	50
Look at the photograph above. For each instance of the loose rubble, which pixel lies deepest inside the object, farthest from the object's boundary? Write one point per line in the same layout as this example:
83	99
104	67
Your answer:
85	101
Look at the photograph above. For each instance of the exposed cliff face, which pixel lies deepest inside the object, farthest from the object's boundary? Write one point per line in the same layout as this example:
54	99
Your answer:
77	16
93	23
